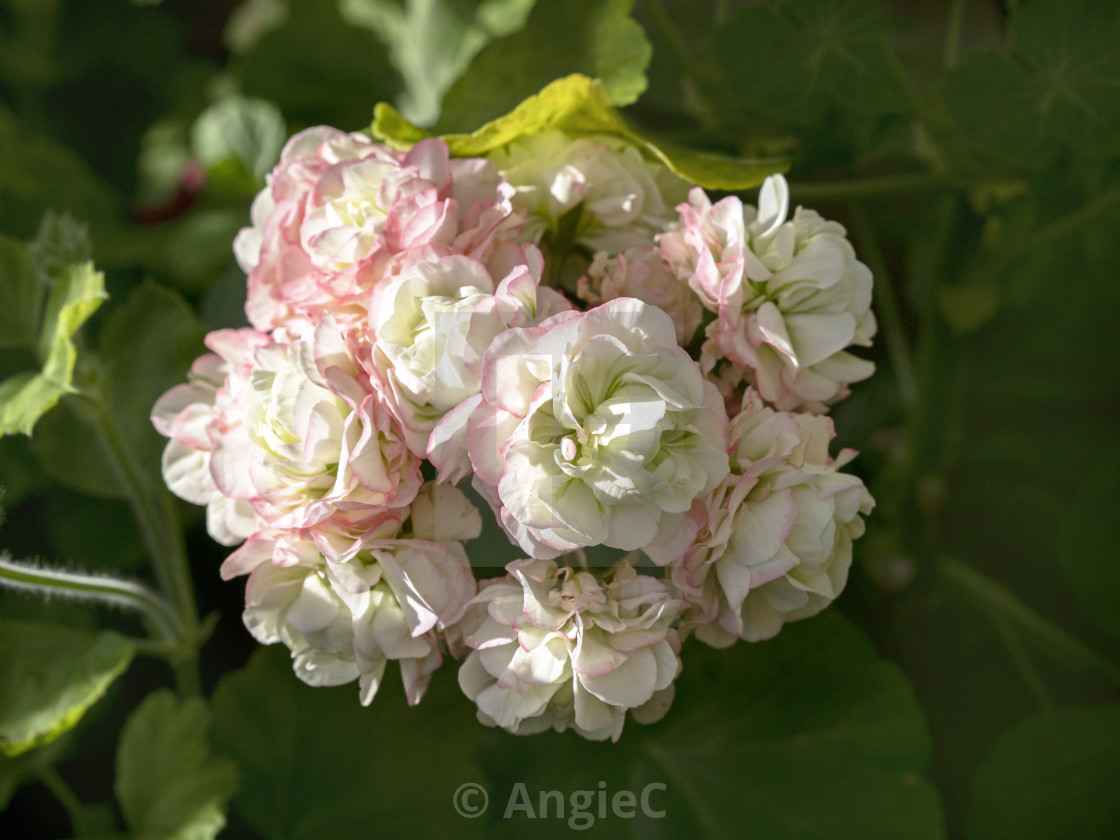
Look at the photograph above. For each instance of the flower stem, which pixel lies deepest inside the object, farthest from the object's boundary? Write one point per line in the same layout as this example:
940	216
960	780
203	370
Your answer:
159	527
1054	231
953	33
873	187
105	590
1066	224
994	597
1021	657
886	305
61	791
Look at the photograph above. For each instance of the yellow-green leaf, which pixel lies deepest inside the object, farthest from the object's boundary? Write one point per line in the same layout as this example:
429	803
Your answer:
580	106
576	104
24	398
390	127
51	676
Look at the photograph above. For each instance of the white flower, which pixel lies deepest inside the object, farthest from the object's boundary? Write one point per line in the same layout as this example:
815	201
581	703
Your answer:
390	596
621	196
310	437
591	426
561	648
790	295
339	211
434	319
639	272
281	436
772	543
190	415
296	605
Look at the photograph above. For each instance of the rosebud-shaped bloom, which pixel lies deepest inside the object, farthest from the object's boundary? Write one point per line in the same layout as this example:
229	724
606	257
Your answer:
623	199
338	209
294	432
389	599
591	426
790	295
640	273
772	543
561	648
434	319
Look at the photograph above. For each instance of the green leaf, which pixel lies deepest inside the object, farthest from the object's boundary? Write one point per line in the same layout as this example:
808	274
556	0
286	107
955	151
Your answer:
715	171
995	100
798	60
22	475
21	295
51	676
1053	775
580	106
60	242
431	42
248	131
594	37
576	104
168	784
807	735
145	347
390	126
70	453
1055	87
316	764
1074	48
318	69
75	295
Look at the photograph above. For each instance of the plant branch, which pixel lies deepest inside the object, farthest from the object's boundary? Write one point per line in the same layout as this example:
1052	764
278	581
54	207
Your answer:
1054	231
874	187
1020	656
995	598
1070	222
66	797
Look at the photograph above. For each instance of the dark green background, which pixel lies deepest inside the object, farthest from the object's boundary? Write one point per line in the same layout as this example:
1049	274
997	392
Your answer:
966	683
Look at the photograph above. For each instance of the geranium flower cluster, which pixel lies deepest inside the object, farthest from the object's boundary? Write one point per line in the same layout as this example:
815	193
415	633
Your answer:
411	348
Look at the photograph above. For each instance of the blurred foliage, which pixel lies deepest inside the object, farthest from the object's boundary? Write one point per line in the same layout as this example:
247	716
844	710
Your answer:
972	149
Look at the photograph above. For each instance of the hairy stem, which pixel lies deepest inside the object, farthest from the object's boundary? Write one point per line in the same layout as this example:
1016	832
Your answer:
106	590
